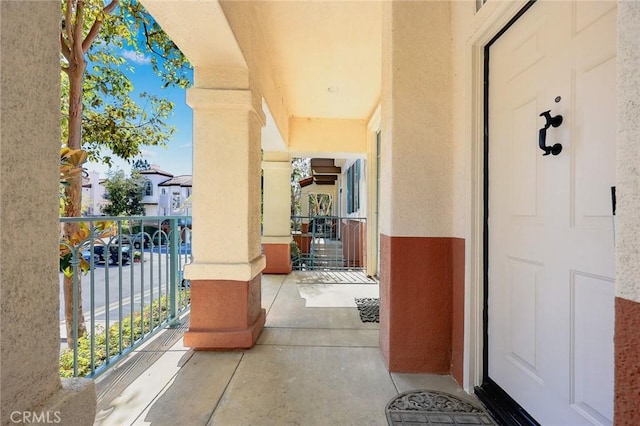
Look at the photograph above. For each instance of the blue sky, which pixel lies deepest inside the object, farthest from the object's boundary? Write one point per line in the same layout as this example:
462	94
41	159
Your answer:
176	157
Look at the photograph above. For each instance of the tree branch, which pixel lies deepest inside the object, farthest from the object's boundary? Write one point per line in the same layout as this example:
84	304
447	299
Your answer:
76	46
67	21
148	42
65	70
64	48
95	28
124	126
93	32
110	7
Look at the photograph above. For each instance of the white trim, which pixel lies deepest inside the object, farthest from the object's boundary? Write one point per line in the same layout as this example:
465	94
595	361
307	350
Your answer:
225	271
276	165
373	127
269	239
499	14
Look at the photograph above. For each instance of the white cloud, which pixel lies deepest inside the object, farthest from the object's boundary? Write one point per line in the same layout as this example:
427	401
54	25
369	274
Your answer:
136	57
146	153
186	145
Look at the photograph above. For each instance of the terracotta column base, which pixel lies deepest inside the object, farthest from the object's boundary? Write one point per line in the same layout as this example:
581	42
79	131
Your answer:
422	304
627	362
225	314
278	258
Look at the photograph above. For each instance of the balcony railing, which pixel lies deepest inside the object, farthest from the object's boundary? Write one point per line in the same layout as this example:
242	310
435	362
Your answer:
128	273
329	243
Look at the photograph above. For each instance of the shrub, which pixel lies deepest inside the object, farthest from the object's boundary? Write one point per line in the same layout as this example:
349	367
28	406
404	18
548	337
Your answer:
295	250
143	324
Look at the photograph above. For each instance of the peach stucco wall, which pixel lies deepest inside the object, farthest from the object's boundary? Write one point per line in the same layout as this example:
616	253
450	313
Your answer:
315	137
276	205
416	120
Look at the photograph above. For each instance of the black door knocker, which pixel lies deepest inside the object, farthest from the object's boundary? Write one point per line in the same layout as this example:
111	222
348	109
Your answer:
542	137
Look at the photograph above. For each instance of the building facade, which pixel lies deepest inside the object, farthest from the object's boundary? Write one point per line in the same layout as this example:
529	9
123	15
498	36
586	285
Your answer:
164	194
92	195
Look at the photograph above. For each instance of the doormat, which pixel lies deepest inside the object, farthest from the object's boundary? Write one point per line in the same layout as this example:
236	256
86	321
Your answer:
425	407
369	309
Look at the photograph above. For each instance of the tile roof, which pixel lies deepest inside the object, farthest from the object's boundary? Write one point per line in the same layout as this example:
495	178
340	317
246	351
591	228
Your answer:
156	171
183	180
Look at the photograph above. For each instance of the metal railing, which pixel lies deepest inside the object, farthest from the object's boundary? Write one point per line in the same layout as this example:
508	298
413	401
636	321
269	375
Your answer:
127	272
326	243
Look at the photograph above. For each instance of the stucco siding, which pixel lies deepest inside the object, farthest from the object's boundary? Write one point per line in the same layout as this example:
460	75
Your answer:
416	119
628	155
29	229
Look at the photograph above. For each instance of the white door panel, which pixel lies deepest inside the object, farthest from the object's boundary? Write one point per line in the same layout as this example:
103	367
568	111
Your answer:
551	249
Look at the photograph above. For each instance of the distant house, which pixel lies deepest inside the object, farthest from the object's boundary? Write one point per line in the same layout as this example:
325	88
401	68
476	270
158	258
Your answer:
92	194
164	193
153	202
175	196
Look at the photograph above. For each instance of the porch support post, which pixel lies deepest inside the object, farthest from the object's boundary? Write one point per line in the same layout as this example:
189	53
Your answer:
421	262
276	216
30	382
226	270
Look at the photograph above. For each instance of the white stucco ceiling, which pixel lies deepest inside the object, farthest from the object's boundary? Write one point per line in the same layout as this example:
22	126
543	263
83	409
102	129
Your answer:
327	55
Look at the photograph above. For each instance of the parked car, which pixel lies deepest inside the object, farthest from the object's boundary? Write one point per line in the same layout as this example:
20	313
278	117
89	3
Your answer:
184	283
100	254
141	240
183	223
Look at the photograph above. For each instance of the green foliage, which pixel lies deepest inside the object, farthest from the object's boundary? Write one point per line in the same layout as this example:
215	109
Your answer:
69	243
124	194
143	324
295	250
71	161
115	120
166	59
320	204
300	169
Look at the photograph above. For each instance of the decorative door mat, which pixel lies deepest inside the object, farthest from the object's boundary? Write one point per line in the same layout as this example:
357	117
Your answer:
425	407
369	309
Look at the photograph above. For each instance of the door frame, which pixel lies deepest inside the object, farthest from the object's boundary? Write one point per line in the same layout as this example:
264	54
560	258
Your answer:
501	405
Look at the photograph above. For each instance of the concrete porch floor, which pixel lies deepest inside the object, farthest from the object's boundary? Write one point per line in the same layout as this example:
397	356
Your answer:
311	366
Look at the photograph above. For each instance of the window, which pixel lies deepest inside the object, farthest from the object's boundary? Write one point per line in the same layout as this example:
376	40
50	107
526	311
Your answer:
176	200
164	191
148	188
353	187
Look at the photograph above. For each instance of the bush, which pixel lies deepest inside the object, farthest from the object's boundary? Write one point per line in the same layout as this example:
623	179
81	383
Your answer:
143	324
295	250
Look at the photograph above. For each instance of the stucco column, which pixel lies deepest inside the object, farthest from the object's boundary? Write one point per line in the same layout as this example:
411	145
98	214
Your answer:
276	213
226	269
627	326
31	388
421	263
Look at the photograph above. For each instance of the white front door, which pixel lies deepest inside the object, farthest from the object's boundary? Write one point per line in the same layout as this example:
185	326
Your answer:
550	235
